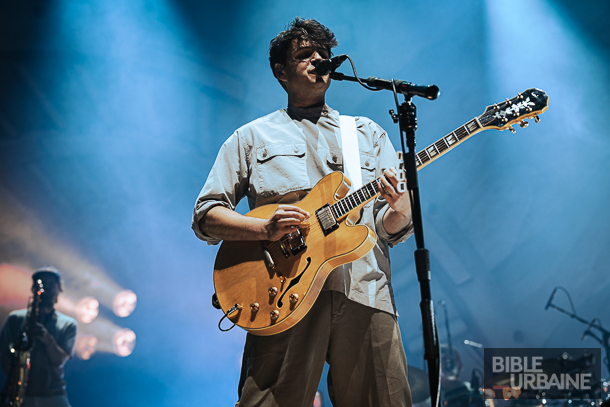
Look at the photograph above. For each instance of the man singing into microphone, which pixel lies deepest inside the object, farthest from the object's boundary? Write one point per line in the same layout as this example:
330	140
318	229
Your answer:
278	159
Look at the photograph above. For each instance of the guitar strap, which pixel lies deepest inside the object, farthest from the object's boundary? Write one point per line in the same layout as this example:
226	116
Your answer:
351	152
351	168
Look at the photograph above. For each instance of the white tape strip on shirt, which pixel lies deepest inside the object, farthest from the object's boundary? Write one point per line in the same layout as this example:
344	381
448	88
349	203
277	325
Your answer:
351	152
351	168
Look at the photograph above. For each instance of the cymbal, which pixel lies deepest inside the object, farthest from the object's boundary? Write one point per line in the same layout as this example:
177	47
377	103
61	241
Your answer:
418	381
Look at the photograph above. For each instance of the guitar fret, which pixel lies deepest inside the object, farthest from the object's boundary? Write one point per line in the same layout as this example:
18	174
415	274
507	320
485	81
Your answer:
451	139
431	150
352	201
333	209
440	146
338	212
344	206
463	133
472	126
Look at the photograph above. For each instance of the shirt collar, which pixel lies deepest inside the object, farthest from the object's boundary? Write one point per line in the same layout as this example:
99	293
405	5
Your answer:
312	113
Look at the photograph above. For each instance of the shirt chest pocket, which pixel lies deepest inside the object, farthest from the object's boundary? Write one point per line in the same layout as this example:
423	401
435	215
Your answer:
367	167
334	160
280	168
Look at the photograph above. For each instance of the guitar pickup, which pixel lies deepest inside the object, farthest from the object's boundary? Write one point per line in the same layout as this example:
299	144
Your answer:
327	219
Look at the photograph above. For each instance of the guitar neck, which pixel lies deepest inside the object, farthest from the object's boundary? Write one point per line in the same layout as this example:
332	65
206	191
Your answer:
448	142
361	196
422	158
500	116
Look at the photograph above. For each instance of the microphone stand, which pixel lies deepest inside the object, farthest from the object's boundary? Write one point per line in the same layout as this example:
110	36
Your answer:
407	121
603	338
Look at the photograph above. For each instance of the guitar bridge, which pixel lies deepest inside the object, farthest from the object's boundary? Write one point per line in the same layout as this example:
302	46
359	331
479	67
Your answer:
327	219
293	242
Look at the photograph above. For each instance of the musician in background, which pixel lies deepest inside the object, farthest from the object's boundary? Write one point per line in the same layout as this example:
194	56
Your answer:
277	159
54	336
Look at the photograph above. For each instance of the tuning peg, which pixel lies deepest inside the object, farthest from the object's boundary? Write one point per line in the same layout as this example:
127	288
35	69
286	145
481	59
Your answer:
519	96
523	124
508	102
537	119
393	115
511	129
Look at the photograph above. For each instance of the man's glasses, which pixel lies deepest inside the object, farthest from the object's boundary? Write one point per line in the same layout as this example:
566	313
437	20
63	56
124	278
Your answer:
309	54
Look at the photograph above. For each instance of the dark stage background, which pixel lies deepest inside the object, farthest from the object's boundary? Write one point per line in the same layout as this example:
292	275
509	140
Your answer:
112	112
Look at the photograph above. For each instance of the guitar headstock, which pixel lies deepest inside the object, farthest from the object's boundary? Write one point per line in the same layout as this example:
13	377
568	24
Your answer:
525	105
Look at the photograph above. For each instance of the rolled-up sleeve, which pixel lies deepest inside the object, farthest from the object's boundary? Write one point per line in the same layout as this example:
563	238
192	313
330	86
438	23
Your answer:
226	184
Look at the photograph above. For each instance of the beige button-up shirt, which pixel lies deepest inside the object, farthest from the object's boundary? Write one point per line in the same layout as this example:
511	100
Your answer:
278	158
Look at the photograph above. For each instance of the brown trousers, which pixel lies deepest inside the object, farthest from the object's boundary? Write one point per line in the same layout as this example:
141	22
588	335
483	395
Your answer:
362	345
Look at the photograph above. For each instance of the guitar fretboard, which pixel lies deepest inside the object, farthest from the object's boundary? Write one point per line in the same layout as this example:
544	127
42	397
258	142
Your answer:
353	200
444	144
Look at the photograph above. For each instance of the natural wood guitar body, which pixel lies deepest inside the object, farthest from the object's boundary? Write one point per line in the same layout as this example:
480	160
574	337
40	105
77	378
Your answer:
242	274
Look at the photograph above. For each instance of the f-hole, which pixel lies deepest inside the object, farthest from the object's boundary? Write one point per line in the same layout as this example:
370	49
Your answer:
293	282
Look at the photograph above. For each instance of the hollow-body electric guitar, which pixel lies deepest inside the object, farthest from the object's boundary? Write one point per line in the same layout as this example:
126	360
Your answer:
267	287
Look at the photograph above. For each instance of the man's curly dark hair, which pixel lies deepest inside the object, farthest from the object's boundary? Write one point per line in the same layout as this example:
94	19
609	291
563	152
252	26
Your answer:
303	30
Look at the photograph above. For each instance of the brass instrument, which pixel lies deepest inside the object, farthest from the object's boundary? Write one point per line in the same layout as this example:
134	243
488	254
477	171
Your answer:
14	391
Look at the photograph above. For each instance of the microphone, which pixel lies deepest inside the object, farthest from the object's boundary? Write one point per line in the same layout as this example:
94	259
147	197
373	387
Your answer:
473	344
548	303
326	66
430	92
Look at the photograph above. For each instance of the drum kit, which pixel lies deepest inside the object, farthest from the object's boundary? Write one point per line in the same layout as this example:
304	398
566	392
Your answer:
498	393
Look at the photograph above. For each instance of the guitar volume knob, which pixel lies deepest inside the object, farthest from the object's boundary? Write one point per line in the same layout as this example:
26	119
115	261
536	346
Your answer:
294	298
254	307
275	314
272	291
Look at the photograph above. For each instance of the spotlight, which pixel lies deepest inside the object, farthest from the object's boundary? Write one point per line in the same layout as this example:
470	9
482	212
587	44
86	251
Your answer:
85	346
104	336
85	310
124	303
124	341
